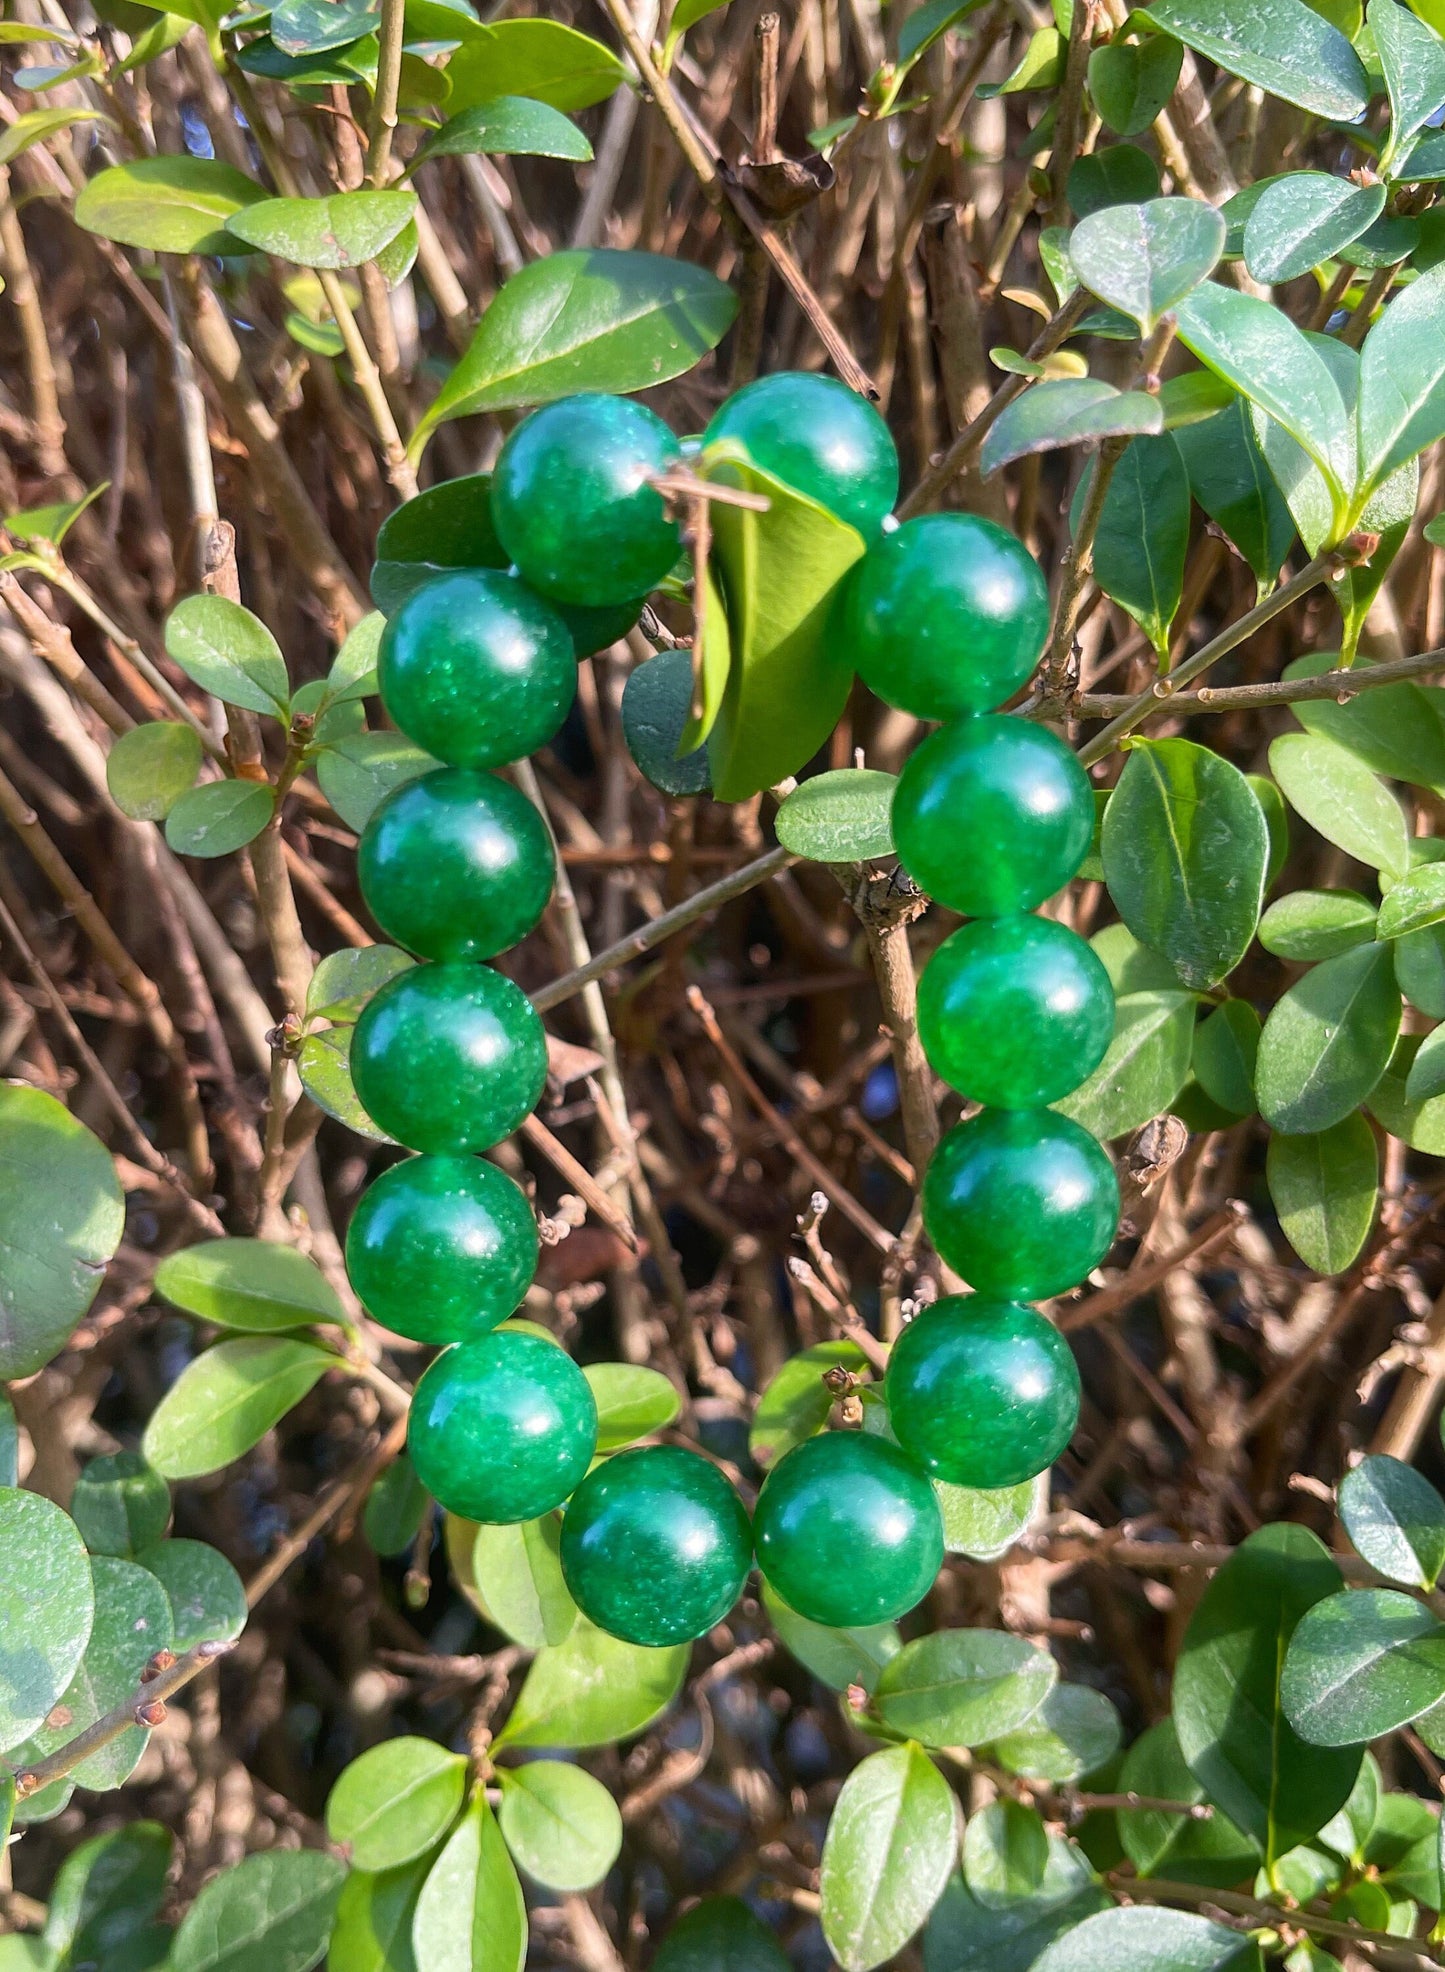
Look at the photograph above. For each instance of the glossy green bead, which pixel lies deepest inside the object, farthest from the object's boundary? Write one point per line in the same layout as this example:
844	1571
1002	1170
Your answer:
815	434
992	815
449	1058
848	1530
441	1249
502	1428
456	865
476	669
982	1393
947	615
1015	1011
1022	1202
656	1545
573	504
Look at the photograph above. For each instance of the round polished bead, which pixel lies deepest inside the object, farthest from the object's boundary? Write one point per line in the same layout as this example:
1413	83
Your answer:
982	1393
1022	1202
815	434
992	815
476	669
656	1545
848	1530
449	1058
440	1249
456	865
573	501
1015	1011
947	615
502	1428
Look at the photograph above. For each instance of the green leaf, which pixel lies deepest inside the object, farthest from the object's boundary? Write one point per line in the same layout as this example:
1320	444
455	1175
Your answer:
561	1825
1132	967
1317	924
1005	1852
353	669
226	1401
585	319
1185	850
1396	1520
120	1505
889	1849
1426	1078
1420	969
268	1913
172	204
1143	534
62	1213
507	126
1323	1186
540	59
518	1575
470	1916
795	1405
593	1688
207	1596
230	653
219	816
1131	81
1413	59
46	1608
1120	175
324	1065
396	1801
395	1508
1303	218
357	774
1226	1047
963	1687
1229	478
1394	729
1419	1123
656	709
149	768
839	1658
926	26
1175	1846
632	1402
250	1284
9	1443
448	526
1146	1065
1416	901
1402	380
1233	1729
1144	259
344	981
1039	67
1148	1939
52	523
788	678
311	27
839	817
965	1936
1075	1731
1360	1664
374	1916
720	1934
1280	45
105	1897
1328	1041
36	125
1342	800
343	229
1066	411
983	1522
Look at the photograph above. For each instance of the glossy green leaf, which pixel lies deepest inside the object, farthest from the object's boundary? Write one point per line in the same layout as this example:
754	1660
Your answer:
344	229
149	768
357	774
1396	1520
46	1608
396	1801
470	1916
53	521
983	1522
343	983
510	126
207	1596
1226	1047
963	1687
839	817
561	1825
172	204
1233	1728
1342	800
62	1213
1416	901
1426	1078
445	527
104	1901
270	1912
720	1934
1005	1851
890	1847
229	653
252	1284
1280	45
1131	81
1361	1663
1075	1731
795	1405
219	817
1041	66
1394	729
540	59
518	1575
1148	1939
1402	380
1144	259
1417	1122
395	1508
34	126
632	1402
1420	969
310	27
1303	218
374	1916
839	1658
1146	1065
585	319
1413	59
1120	174
353	669
593	1688
1317	924
1328	1041
1323	1186
324	1065
964	1935
1229	478
1066	411
1143	534
656	709
120	1505
1173	1844
226	1401
1132	967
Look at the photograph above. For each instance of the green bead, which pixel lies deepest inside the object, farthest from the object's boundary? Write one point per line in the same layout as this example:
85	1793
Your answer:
992	815
656	1545
947	615
982	1393
817	435
476	669
573	504
440	1249
1022	1202
502	1428
1015	1011
848	1530
449	1058
456	865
